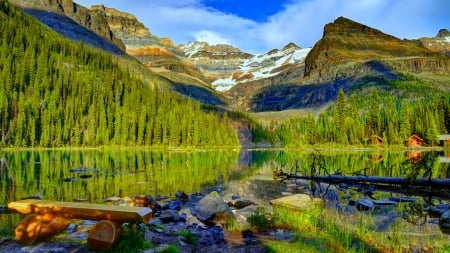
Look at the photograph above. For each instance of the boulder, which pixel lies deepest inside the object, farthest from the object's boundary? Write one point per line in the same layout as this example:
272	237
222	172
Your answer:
295	202
213	210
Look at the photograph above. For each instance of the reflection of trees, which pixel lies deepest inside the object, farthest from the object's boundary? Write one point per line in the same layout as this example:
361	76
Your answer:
7	182
95	175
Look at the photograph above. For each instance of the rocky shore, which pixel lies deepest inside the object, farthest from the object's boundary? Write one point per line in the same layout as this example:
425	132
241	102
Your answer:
199	217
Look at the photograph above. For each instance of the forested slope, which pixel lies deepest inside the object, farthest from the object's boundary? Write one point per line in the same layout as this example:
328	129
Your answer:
54	92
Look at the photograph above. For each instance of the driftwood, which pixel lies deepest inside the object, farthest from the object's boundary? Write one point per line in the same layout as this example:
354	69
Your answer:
335	179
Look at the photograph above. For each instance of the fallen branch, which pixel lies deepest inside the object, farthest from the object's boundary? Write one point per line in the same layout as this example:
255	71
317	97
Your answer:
437	182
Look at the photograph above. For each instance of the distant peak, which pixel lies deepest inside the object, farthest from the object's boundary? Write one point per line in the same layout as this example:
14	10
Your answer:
345	26
291	45
443	33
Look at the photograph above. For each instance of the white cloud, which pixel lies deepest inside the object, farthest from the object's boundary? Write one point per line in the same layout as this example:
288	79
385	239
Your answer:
300	21
211	37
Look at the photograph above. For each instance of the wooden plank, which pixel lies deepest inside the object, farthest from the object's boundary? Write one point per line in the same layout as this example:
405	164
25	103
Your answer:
84	211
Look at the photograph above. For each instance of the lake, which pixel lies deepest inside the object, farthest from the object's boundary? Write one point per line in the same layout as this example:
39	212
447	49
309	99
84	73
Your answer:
94	175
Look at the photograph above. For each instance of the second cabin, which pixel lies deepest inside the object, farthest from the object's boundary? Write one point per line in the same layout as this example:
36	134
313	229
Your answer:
414	141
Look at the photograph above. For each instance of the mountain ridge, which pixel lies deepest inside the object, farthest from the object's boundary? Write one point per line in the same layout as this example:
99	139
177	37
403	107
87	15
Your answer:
348	51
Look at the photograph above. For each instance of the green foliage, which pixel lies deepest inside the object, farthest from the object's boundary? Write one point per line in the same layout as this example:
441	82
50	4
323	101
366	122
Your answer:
132	240
189	237
381	112
261	219
54	93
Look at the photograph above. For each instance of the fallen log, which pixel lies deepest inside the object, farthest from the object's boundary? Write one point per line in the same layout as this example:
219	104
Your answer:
438	182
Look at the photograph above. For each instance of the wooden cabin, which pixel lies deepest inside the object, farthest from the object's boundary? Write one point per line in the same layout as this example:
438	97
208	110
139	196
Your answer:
414	141
375	140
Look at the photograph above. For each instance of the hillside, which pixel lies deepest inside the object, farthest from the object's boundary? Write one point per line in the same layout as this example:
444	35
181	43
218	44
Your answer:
55	92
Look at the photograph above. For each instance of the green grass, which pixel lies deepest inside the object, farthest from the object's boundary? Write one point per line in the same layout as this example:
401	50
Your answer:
322	230
133	239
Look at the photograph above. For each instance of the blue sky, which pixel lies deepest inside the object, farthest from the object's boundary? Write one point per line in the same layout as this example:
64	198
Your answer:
259	26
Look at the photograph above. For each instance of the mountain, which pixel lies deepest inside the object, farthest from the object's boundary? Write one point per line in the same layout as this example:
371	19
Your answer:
439	43
73	21
109	29
345	41
348	54
215	61
354	57
57	93
159	54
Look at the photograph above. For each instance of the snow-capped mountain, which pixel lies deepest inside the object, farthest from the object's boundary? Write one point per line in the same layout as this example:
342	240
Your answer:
227	66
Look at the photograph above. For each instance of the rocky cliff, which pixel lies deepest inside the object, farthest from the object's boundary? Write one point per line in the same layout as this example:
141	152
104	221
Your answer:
439	43
345	41
92	20
159	54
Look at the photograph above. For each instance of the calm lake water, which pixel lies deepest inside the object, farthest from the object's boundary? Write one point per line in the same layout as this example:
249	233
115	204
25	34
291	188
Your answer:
94	175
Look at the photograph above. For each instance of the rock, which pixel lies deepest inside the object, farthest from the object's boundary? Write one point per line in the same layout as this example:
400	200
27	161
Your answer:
181	196
167	216
295	202
239	204
364	205
437	211
444	222
212	210
173	205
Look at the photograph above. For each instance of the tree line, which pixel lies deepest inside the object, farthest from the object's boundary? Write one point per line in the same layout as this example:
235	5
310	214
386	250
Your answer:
353	120
55	92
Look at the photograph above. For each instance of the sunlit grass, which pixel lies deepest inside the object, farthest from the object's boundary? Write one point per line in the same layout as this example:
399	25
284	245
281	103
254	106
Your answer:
323	230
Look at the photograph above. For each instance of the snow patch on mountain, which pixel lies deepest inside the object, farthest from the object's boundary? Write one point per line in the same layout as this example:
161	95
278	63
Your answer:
262	66
192	48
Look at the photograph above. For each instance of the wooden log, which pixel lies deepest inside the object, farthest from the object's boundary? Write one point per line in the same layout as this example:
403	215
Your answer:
39	227
372	179
104	235
84	211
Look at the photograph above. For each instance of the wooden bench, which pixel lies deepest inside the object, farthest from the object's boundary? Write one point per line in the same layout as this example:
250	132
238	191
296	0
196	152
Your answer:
46	218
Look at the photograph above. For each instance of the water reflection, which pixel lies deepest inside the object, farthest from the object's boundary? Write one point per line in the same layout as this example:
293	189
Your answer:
93	175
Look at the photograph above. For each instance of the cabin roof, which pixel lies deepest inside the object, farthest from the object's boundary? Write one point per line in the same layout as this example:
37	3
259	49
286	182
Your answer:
414	137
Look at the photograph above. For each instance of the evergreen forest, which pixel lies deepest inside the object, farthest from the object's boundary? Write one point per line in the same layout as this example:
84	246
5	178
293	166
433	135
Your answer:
55	93
58	93
353	120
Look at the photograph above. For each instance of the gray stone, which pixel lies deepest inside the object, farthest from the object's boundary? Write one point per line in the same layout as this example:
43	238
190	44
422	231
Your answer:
212	210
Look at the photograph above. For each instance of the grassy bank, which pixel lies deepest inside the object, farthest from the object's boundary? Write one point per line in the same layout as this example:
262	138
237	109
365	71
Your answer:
318	229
